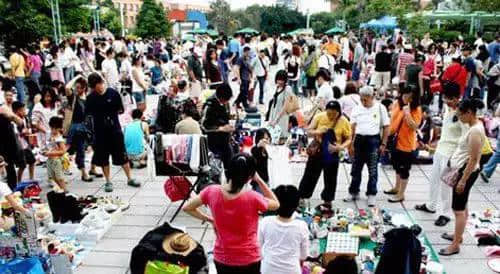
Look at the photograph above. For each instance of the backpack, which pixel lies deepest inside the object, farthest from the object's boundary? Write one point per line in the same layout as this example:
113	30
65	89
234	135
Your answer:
313	68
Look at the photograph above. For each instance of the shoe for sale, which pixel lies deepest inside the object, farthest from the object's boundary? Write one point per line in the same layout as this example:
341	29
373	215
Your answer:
351	198
371	200
484	177
133	183
108	187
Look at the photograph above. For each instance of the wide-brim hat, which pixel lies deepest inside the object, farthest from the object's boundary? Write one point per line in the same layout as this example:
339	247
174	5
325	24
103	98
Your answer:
179	243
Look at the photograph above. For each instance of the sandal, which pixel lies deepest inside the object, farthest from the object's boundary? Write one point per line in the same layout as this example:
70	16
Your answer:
390	192
395	200
95	174
448	237
424	208
447	252
88	179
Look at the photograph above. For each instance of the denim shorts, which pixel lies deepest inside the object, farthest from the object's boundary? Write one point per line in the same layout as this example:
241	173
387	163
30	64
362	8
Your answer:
139	97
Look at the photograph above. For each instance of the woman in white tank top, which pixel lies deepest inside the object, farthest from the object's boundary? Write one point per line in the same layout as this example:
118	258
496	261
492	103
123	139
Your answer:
466	159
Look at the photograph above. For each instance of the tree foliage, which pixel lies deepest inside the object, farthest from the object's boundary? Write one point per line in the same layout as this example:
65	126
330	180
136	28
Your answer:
323	21
152	21
23	22
221	17
110	18
280	19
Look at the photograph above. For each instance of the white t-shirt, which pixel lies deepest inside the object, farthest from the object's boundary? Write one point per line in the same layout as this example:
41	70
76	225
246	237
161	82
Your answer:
110	70
283	245
348	103
368	120
327	62
325	92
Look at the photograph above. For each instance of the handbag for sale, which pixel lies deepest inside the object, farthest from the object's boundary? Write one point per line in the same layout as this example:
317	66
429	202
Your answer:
177	188
450	176
435	86
314	148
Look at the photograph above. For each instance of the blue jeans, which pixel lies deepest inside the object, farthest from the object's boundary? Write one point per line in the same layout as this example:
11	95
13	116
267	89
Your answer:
355	72
77	140
35	76
21	89
294	85
262	82
69	73
491	165
366	152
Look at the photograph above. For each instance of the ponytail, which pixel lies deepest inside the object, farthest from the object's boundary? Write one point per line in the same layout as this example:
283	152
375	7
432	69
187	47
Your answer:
240	170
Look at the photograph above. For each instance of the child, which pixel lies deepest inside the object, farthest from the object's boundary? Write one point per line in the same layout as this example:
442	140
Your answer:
136	134
259	152
55	151
6	192
283	239
23	131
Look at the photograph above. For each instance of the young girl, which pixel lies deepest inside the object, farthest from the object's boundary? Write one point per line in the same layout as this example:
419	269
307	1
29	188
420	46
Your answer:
43	111
259	152
54	151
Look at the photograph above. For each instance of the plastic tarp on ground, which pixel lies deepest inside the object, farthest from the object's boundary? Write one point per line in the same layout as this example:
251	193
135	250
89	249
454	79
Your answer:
386	22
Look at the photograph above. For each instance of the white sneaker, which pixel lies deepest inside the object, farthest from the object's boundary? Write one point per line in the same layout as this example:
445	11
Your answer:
351	198
371	200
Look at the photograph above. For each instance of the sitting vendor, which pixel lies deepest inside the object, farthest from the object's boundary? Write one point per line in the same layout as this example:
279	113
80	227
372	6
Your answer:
7	193
136	134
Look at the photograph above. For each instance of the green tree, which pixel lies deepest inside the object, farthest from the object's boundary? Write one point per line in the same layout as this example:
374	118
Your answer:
484	5
249	17
280	19
110	18
23	22
152	21
323	21
221	17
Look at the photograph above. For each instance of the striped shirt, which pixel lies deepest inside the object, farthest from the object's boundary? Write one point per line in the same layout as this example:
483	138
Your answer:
404	60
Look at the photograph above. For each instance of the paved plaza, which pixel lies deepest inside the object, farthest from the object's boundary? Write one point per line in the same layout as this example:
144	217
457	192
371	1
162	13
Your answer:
150	207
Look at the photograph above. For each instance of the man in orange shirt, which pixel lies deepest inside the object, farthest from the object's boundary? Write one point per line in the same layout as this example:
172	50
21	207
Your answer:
332	47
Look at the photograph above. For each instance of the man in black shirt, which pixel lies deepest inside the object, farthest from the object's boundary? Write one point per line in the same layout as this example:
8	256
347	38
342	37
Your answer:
382	76
103	106
215	123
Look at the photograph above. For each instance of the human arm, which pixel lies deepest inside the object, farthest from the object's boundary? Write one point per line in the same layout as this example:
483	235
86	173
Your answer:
7	113
351	145
145	128
58	152
14	204
421	82
69	86
411	121
272	200
475	145
192	207
346	136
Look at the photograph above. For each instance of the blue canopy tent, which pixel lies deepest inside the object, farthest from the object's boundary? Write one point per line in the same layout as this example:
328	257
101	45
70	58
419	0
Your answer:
384	23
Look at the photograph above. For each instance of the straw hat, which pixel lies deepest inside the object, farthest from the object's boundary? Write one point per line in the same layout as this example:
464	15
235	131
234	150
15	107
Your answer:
179	243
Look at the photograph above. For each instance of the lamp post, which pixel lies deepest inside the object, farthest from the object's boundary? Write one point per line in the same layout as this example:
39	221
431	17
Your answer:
308	19
56	20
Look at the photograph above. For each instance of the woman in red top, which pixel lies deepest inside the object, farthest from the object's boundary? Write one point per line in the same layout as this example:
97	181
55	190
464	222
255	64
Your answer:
456	73
235	216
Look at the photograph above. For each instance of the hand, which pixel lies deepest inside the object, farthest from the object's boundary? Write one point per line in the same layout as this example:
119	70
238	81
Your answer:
460	187
333	148
351	151
381	149
228	128
262	143
406	110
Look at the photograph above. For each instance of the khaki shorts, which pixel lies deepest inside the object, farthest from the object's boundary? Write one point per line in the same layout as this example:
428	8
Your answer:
55	169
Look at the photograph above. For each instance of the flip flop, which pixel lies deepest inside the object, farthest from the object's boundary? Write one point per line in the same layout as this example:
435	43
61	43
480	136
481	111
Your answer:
448	237
446	252
424	208
395	200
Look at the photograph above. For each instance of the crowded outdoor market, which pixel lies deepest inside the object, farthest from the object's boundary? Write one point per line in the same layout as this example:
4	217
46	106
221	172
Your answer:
218	134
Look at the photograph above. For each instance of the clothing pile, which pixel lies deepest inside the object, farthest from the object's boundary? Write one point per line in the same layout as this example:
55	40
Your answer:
180	154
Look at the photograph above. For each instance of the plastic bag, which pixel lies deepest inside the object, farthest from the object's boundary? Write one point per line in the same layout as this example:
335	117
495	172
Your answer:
25	266
158	267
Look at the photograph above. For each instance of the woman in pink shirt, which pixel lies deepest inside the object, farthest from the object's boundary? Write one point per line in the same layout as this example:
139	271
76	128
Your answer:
35	66
235	216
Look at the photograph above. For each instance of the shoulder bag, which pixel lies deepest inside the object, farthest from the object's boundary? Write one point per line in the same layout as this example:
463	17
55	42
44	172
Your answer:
450	176
68	116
